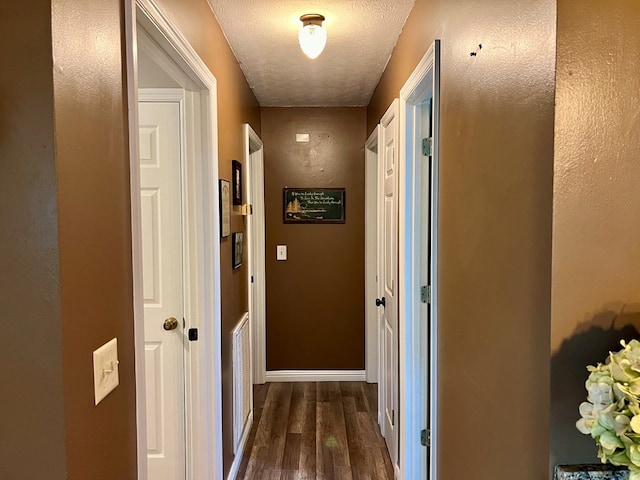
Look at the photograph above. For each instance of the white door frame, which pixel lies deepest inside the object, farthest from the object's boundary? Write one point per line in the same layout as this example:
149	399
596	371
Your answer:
204	424
371	312
254	164
423	83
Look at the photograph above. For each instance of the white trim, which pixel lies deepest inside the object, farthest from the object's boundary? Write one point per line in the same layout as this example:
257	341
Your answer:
205	429
371	312
422	83
316	376
254	164
165	95
192	124
237	460
136	236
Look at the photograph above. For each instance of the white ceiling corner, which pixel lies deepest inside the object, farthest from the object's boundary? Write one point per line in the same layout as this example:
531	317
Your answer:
263	34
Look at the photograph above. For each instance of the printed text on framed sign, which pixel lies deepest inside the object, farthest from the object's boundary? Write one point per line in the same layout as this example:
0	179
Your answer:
313	205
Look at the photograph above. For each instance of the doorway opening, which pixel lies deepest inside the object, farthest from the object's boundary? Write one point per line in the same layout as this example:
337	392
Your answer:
371	312
418	267
182	430
254	161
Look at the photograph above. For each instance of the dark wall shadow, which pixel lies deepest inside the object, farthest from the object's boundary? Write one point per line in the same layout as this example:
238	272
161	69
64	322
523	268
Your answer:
590	344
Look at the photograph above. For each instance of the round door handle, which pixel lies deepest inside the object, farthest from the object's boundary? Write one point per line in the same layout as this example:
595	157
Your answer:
170	324
379	301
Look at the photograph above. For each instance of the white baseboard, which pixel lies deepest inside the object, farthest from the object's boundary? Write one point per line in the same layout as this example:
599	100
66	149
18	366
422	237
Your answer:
237	460
316	376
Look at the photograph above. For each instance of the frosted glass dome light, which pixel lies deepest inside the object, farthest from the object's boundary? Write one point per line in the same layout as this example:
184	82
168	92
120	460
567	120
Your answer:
312	36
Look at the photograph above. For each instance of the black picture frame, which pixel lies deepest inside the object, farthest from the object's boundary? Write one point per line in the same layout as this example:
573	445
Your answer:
313	205
237	249
236	182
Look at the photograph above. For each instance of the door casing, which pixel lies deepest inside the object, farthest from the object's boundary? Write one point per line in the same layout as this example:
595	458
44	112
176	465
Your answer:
203	306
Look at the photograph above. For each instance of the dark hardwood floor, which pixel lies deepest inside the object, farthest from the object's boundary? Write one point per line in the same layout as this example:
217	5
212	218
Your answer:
315	431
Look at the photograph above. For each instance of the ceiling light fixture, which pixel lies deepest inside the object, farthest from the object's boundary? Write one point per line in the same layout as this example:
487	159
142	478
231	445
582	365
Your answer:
312	36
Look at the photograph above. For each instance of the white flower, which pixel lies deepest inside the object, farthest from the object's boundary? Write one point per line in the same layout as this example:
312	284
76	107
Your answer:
611	414
600	394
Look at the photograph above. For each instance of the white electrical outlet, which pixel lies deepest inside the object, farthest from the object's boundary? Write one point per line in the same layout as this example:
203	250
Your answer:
105	369
281	252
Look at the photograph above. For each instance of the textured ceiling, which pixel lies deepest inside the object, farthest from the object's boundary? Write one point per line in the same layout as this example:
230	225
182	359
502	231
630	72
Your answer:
264	37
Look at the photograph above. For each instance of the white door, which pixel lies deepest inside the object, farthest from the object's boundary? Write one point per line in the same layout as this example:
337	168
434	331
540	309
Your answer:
161	202
388	277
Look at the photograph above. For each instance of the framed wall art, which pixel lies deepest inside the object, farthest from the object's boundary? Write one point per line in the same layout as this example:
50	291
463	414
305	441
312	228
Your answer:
237	249
313	205
236	179
225	208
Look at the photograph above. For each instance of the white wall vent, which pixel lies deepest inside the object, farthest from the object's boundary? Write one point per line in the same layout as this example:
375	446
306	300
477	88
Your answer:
241	379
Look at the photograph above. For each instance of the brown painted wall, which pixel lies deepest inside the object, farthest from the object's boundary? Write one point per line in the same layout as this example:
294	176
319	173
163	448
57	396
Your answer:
495	214
94	221
596	259
31	398
315	299
236	106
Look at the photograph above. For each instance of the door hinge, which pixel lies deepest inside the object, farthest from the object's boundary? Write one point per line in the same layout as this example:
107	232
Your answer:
425	294
393	417
425	438
251	278
427	146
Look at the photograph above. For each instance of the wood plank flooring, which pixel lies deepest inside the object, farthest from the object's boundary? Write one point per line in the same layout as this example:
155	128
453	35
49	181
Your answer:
315	431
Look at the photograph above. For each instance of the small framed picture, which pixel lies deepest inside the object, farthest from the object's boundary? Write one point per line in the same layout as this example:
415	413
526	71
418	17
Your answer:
236	179
237	249
225	208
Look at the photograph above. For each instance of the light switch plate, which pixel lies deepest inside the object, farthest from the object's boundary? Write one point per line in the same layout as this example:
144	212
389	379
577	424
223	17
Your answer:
105	369
281	252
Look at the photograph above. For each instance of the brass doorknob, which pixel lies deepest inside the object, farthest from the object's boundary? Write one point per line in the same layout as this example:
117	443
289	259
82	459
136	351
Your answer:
170	324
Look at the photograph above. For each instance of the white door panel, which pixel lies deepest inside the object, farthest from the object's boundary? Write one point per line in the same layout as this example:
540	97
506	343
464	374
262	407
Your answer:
389	279
161	210
388	362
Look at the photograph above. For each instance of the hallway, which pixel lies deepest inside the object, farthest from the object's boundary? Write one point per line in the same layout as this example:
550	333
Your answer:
308	431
